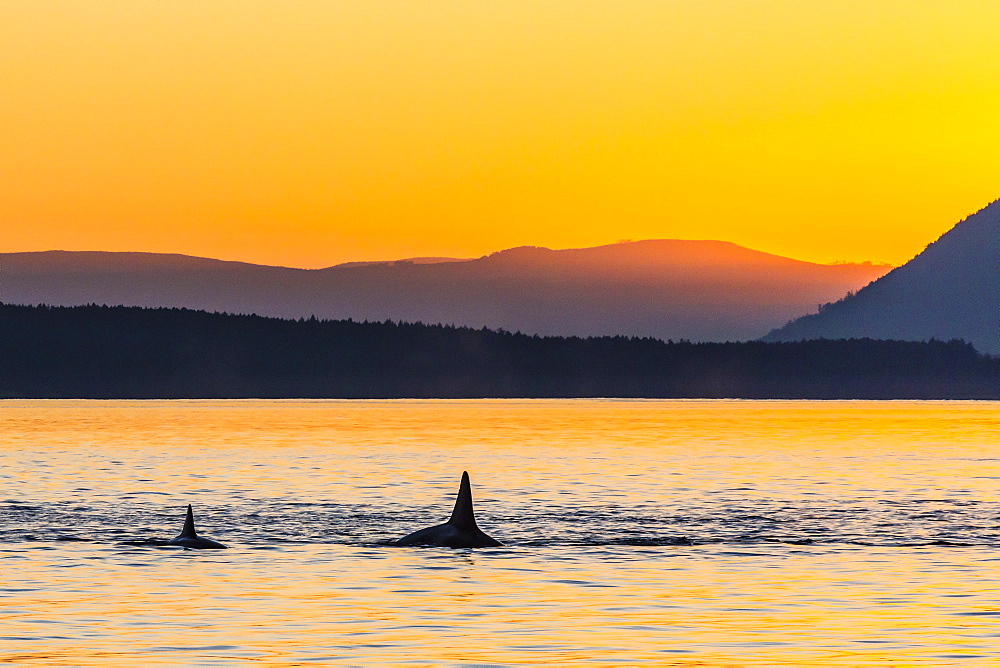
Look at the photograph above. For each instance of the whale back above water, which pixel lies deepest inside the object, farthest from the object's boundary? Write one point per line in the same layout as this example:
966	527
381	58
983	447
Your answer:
460	530
189	537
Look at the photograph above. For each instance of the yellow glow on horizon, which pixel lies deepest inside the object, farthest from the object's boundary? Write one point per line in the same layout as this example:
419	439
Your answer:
309	133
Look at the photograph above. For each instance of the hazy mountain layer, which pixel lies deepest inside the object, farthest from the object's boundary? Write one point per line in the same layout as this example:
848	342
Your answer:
698	290
950	290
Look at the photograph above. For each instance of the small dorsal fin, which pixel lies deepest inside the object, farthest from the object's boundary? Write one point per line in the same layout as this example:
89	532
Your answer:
188	530
463	516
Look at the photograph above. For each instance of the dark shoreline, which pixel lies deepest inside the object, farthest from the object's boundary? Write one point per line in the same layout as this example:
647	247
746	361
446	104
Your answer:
101	352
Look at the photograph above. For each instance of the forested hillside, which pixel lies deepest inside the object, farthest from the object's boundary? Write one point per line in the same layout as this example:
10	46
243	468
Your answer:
128	352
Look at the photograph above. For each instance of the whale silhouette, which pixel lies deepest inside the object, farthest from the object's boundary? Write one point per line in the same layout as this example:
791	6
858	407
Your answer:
459	531
189	538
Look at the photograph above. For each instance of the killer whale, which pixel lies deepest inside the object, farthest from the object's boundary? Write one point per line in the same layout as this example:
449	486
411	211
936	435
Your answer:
188	537
460	530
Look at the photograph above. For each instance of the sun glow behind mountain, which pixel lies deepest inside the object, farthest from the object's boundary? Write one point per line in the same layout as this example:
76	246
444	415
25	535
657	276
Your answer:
306	134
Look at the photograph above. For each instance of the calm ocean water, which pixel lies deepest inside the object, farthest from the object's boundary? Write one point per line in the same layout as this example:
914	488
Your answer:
675	532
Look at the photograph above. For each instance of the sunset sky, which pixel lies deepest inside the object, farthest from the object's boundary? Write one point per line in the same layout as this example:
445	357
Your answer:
310	133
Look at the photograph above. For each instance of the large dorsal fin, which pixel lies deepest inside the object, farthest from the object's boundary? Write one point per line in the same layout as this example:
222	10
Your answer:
188	530
463	516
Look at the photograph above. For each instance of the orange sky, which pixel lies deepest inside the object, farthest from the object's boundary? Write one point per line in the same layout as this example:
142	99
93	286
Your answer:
310	133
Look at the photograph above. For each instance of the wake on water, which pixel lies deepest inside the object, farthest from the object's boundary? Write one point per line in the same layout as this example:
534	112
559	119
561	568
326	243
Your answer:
941	522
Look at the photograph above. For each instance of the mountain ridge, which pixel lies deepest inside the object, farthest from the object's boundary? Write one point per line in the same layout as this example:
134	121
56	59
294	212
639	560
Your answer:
506	252
950	290
680	289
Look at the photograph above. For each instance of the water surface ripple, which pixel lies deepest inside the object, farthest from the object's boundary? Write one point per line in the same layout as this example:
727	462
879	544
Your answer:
675	532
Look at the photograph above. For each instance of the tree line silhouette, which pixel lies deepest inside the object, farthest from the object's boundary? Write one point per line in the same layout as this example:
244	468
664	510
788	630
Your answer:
130	352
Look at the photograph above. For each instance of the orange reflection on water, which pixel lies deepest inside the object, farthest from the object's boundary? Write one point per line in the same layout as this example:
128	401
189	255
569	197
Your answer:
823	532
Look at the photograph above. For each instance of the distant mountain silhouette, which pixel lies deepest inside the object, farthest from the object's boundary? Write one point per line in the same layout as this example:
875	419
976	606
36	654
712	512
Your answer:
410	260
669	289
949	291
